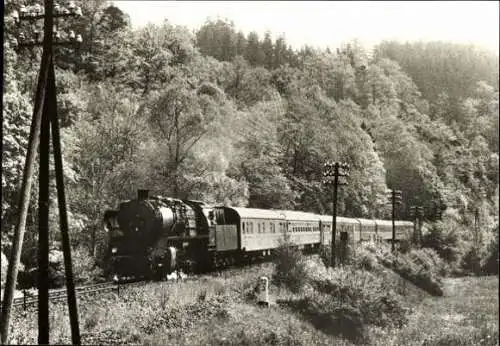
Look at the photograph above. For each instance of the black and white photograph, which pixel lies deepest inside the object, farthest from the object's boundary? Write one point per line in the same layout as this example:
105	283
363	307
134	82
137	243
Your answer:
275	173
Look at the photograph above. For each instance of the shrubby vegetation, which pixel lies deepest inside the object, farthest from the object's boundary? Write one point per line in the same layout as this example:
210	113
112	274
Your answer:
423	267
291	270
215	311
248	121
490	263
344	301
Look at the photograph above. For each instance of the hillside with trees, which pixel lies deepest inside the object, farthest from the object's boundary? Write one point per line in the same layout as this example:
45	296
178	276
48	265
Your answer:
225	117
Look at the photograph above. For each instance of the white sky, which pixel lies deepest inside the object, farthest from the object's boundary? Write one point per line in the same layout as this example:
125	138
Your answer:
329	23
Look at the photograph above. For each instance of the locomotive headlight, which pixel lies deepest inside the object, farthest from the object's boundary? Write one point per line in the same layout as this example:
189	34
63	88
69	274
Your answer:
114	250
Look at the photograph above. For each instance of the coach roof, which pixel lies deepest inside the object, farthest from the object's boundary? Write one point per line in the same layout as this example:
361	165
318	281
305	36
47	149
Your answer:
299	216
249	213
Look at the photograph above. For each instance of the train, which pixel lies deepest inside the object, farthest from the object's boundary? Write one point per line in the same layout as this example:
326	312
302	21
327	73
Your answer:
154	236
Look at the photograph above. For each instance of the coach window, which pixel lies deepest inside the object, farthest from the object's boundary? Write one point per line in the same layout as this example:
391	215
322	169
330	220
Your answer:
243	227
263	227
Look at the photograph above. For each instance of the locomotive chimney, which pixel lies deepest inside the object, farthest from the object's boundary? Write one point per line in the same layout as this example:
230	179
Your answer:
142	194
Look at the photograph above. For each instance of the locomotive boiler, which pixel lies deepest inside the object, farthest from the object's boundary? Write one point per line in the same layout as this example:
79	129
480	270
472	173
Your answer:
154	235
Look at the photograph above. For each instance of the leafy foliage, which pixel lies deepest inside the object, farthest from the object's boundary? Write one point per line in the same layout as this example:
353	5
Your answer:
423	267
443	238
247	120
491	262
290	270
347	301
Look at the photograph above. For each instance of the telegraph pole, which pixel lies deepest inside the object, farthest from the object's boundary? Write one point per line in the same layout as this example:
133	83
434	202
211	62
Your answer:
44	115
418	213
396	199
331	174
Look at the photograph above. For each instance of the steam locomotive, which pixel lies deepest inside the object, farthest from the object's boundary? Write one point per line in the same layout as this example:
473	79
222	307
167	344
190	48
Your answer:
153	236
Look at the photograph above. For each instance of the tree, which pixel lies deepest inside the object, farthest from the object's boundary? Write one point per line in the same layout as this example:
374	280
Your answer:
258	157
219	40
333	73
254	53
268	51
433	66
159	53
179	116
103	150
279	54
248	85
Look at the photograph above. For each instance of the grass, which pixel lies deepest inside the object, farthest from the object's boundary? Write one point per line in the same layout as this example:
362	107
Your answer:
467	314
220	311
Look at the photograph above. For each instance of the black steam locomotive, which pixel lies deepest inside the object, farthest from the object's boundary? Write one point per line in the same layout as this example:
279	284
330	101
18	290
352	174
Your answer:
153	236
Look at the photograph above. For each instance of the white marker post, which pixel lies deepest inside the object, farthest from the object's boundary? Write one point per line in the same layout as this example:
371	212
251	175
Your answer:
263	296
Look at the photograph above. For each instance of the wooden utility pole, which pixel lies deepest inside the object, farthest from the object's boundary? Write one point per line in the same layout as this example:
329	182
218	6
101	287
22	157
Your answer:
44	115
331	174
418	213
396	199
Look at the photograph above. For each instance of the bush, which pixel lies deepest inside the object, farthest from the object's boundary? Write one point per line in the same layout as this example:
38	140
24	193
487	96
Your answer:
290	269
29	278
471	262
365	260
345	301
429	260
342	255
85	269
421	267
373	301
418	268
443	238
490	262
406	245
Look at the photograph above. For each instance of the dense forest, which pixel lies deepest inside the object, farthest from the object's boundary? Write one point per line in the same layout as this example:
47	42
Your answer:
224	117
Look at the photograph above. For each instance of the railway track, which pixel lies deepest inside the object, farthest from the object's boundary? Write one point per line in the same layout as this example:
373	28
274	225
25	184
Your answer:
60	294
